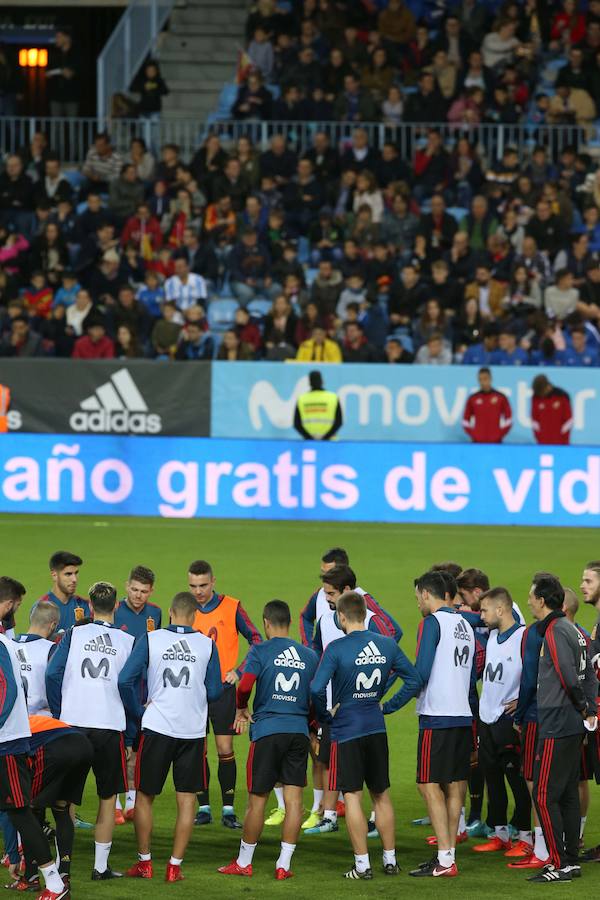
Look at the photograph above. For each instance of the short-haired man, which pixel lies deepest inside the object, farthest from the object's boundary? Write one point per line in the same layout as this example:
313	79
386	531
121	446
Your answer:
566	700
82	689
223	619
336	582
64	571
498	747
34	649
359	668
447	668
551	412
136	615
12	593
182	672
590	590
487	418
15	770
283	671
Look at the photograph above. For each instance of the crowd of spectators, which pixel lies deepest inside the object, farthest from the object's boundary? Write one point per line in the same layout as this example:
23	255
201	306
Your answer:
461	61
345	251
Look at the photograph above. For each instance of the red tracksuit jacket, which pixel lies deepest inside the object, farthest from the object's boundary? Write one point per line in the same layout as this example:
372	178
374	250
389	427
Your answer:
487	418
552	418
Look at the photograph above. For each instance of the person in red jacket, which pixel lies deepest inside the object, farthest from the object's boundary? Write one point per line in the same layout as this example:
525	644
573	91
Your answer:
95	344
551	414
487	418
143	230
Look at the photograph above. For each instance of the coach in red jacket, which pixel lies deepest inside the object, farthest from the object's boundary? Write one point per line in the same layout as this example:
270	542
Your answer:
487	418
551	414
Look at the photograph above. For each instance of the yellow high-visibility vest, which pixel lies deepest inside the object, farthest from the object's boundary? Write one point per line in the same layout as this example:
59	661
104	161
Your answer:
317	411
4	404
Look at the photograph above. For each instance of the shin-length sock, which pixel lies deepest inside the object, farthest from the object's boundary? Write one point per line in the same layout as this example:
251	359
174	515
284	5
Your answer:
227	778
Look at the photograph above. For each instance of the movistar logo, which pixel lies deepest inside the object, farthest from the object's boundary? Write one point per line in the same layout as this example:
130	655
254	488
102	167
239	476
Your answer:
461	657
88	668
370	655
365	682
101	644
461	632
290	659
264	398
117	406
176	680
180	651
493	672
287	684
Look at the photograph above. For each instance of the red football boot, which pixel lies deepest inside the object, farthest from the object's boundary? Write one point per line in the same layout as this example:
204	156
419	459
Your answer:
340	808
282	874
173	873
234	869
494	845
530	862
142	869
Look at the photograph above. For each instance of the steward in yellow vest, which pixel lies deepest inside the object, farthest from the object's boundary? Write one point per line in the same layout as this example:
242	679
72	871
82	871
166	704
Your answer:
318	415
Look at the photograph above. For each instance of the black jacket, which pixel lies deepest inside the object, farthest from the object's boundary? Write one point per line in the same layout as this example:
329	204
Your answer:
567	686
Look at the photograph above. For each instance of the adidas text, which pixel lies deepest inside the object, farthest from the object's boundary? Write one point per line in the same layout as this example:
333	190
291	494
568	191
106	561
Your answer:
118	422
93	647
289	663
179	657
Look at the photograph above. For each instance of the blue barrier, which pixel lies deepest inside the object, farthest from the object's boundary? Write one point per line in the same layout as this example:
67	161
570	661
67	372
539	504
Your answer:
198	477
388	403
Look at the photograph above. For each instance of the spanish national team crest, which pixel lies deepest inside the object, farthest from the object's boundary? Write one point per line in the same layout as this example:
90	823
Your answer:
79	613
150	625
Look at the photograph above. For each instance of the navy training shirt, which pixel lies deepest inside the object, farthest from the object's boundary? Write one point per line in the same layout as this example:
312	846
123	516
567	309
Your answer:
284	670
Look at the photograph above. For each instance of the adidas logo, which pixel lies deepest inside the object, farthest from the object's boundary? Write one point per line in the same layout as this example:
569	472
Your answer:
25	666
461	632
101	644
180	651
289	659
370	655
117	406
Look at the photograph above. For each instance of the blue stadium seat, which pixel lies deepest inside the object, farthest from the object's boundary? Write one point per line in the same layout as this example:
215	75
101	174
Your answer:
221	313
259	307
218	340
311	274
226	100
74	177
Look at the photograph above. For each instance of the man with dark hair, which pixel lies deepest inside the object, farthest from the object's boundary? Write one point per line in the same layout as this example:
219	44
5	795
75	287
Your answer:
566	700
181	669
525	722
471	584
551	413
446	664
64	571
222	618
278	733
136	615
317	606
336	583
358	669
82	689
487	418
11	597
498	749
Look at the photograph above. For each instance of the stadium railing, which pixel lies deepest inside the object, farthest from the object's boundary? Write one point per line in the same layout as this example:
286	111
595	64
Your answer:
71	138
134	37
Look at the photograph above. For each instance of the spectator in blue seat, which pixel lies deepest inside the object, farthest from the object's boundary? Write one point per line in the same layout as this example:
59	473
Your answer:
484	353
253	100
579	354
510	354
250	266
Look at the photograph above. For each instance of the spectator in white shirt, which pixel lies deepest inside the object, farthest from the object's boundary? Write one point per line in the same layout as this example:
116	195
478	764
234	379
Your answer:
435	352
77	312
185	288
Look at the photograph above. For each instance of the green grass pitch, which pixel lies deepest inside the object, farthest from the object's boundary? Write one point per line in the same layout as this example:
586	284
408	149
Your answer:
257	561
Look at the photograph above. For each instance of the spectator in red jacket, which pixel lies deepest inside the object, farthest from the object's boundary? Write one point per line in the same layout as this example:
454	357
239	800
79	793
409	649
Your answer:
487	418
143	230
95	344
551	414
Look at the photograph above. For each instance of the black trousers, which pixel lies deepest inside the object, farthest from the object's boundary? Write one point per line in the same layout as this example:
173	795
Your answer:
500	758
556	796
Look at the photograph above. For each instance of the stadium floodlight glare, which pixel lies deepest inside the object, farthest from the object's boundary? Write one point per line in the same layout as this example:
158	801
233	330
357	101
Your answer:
33	58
